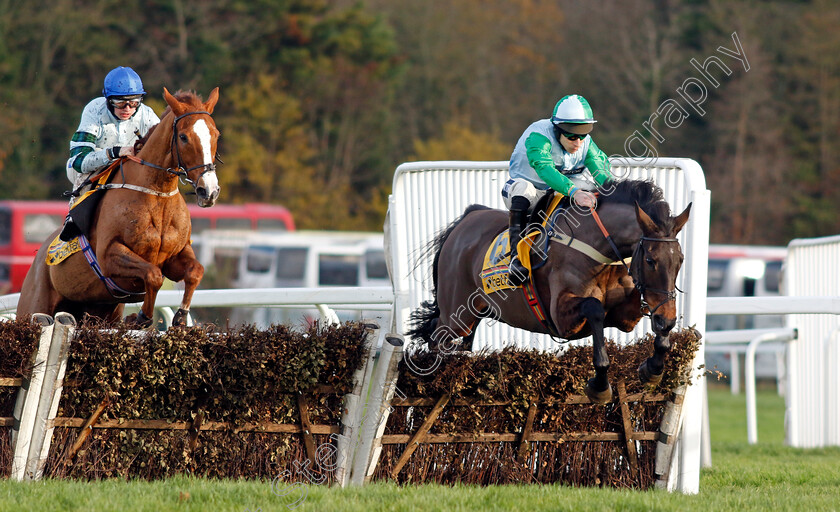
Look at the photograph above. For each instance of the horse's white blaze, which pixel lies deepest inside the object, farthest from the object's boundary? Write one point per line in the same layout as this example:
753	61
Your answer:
203	132
211	181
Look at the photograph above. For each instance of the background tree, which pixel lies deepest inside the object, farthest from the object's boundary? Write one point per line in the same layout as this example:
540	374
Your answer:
321	100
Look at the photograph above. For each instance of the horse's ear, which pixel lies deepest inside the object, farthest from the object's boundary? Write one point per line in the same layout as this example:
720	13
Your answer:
210	104
176	106
681	219
644	220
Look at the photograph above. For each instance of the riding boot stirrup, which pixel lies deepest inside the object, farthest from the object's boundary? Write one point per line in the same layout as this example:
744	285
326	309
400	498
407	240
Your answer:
70	230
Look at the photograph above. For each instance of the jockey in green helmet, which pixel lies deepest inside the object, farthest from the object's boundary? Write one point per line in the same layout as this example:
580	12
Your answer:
553	154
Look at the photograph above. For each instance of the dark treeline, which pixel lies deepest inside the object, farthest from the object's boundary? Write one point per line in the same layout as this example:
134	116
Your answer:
321	100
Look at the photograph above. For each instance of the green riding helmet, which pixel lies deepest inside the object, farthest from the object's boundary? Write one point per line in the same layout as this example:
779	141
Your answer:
573	114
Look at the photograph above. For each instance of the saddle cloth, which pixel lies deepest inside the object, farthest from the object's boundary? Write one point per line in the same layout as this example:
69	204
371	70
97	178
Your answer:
59	250
81	214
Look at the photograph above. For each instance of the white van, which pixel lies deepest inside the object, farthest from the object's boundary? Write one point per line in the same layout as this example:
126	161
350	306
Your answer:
313	259
744	271
220	252
310	259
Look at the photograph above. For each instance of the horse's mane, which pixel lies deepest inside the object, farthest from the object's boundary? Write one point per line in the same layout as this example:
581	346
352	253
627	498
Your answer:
646	193
189	97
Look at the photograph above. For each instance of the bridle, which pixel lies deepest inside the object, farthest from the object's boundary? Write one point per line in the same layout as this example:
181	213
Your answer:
180	171
634	270
639	278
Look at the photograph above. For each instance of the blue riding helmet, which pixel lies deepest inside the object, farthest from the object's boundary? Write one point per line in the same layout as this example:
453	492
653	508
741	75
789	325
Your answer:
123	81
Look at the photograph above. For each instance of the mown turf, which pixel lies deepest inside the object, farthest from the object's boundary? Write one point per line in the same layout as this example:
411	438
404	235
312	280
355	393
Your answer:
766	476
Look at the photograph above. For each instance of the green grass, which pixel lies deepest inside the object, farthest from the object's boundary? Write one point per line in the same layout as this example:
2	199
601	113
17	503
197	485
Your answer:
766	476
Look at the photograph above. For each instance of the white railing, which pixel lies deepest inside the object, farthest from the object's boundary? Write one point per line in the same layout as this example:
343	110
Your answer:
325	299
748	341
734	342
812	396
782	305
808	306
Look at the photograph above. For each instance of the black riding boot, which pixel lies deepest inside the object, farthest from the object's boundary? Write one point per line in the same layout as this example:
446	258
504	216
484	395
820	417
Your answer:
70	230
518	218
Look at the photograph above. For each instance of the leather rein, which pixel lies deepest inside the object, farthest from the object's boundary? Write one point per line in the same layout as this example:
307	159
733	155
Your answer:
635	263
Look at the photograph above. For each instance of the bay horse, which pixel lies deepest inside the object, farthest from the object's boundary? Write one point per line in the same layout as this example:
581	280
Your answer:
583	291
140	231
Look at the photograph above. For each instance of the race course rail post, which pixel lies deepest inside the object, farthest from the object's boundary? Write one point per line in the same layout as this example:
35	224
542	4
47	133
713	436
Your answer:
26	407
50	395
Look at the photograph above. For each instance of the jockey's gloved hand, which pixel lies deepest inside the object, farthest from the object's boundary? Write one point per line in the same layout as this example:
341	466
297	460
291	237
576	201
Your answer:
114	152
585	199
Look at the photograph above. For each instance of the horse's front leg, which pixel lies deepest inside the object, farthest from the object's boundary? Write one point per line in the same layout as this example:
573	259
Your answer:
120	262
184	266
597	388
650	372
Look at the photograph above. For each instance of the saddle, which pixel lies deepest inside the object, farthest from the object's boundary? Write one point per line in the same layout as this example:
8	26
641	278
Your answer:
80	217
494	271
551	228
540	228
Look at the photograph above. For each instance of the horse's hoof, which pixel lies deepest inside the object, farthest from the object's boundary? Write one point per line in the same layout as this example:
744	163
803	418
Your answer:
598	397
138	321
180	318
647	377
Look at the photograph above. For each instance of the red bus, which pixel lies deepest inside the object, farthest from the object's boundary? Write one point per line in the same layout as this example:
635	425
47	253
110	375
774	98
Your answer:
257	216
24	225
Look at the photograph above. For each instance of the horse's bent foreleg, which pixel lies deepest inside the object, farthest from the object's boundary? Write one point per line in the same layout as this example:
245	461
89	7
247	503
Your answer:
650	372
184	266
598	388
120	262
116	314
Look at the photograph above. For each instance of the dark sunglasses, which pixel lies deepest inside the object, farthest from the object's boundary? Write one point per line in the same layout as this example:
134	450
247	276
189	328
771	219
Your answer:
125	103
572	136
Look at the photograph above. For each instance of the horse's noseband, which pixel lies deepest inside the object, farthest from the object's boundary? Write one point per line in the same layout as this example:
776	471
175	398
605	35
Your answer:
638	276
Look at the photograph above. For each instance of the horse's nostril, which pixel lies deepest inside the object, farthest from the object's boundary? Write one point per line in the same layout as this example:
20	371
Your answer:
661	324
658	322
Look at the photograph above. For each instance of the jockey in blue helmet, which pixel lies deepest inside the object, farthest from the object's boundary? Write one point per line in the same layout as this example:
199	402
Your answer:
552	154
109	127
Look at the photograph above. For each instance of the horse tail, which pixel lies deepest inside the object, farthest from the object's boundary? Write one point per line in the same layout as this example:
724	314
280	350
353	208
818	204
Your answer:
424	320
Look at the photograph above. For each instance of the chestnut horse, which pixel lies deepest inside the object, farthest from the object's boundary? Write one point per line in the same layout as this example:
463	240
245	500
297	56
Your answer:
140	231
584	285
